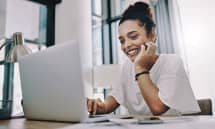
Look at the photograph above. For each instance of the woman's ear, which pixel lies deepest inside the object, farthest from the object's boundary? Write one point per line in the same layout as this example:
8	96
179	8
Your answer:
152	37
155	38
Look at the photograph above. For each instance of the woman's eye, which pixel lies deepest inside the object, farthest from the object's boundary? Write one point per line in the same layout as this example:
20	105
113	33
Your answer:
134	37
122	41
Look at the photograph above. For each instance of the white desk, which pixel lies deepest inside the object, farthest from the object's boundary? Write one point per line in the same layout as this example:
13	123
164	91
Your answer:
188	122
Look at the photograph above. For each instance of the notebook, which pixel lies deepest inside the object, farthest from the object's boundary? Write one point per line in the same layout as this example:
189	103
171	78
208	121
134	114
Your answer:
52	85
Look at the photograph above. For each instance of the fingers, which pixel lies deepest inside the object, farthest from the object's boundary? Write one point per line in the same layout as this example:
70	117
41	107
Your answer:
148	48
151	48
93	105
97	105
141	53
99	102
89	105
143	48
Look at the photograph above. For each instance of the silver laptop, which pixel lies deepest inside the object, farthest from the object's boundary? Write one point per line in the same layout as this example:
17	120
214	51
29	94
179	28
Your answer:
52	85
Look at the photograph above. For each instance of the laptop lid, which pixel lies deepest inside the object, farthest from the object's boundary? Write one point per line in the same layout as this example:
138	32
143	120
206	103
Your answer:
52	85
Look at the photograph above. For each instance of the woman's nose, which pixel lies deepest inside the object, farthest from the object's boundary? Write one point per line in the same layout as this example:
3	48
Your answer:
127	44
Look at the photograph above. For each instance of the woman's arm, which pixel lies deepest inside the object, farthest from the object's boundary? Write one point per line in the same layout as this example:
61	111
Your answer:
144	62
150	93
96	106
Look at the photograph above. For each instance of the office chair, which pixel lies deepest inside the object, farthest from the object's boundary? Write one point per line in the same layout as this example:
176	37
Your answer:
205	106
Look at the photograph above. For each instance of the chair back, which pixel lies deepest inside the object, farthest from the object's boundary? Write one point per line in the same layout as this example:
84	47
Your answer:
205	106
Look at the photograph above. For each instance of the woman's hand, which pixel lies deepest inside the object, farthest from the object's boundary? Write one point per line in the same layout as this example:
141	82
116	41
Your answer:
146	58
95	106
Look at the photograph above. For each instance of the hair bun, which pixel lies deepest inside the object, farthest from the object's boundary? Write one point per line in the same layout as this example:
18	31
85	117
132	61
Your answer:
138	7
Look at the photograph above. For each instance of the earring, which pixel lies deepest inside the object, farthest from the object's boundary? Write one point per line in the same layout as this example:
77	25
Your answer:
155	39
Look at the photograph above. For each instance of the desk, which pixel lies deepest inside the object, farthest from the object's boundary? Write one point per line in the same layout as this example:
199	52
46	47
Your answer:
188	122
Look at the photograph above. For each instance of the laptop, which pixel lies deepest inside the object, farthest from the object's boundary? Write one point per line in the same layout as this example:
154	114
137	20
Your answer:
52	85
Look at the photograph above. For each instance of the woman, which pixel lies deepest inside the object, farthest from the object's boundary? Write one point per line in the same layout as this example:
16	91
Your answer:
150	83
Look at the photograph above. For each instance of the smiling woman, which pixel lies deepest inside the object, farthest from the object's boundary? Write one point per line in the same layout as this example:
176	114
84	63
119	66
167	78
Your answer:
160	79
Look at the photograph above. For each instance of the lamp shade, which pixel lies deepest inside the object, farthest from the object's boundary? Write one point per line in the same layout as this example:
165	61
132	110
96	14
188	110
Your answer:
106	76
17	52
18	49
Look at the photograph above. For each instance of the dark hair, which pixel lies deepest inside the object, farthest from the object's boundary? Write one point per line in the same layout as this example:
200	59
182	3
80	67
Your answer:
139	11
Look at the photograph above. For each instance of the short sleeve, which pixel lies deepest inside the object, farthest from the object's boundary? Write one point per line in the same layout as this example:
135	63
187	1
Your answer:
175	90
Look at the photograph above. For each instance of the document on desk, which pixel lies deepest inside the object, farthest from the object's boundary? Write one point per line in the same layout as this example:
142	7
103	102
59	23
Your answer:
181	122
132	123
138	119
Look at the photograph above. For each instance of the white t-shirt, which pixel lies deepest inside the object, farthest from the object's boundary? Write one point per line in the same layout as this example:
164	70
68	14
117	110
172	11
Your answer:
169	75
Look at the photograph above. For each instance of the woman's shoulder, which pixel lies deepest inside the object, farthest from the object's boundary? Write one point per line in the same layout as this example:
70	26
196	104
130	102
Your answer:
171	61
171	58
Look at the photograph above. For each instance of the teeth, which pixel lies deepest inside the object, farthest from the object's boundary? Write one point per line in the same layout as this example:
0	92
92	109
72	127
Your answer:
132	52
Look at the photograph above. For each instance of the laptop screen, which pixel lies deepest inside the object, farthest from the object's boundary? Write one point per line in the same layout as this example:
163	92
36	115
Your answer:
52	84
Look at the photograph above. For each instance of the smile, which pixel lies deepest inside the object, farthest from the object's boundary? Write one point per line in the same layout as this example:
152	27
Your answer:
132	52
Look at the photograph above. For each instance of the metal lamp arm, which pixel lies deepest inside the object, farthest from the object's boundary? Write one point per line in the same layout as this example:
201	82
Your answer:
5	43
2	45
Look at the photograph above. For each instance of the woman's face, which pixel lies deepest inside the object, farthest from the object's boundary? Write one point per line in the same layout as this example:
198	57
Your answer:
132	36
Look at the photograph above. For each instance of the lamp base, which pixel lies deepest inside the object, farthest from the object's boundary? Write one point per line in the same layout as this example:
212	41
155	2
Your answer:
5	114
6	109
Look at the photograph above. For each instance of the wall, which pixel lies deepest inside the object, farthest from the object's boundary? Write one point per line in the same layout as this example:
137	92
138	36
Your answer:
2	33
2	17
73	22
198	23
22	16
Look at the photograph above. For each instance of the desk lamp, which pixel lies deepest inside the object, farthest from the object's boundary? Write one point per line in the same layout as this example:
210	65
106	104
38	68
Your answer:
17	49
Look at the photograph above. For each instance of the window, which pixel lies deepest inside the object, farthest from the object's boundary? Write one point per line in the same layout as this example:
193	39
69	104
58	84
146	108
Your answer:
112	13
97	40
34	18
105	16
97	29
